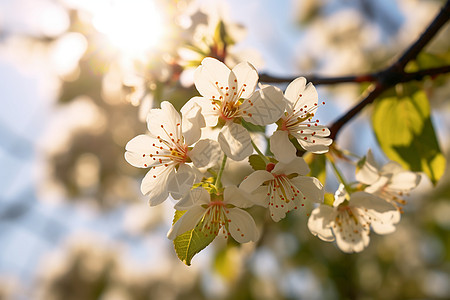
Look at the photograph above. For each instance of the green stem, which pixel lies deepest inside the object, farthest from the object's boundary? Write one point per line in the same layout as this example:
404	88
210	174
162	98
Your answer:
218	182
339	175
351	154
266	160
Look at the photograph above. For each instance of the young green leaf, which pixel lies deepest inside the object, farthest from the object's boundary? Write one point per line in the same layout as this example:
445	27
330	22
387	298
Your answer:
256	162
405	132
317	165
191	242
328	199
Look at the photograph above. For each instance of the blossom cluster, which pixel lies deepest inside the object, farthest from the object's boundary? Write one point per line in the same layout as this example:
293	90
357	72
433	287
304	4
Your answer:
375	204
187	166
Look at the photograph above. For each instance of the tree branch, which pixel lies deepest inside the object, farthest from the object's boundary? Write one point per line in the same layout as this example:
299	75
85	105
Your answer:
412	52
316	80
395	73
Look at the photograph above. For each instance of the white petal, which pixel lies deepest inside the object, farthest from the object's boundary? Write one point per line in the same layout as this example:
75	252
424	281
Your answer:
392	167
264	107
385	223
205	153
281	146
383	215
237	197
349	241
209	111
140	144
279	209
377	185
340	195
318	131
297	165
254	180
242	226
404	181
187	222
210	76
320	222
299	94
138	150
246	74
155	182
368	173
310	187
192	122
184	203
369	201
198	196
259	196
181	183
168	118
235	141
314	144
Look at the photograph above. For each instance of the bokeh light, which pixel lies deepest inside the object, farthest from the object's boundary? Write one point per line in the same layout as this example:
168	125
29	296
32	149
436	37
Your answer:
133	26
78	78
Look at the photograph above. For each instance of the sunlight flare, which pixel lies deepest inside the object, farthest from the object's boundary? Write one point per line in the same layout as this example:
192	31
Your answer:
132	26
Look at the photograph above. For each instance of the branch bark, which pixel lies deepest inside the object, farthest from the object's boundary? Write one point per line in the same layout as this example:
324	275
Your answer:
316	80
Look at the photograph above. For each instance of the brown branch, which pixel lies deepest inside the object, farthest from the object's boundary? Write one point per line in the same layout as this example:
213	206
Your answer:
395	73
369	96
316	80
432	29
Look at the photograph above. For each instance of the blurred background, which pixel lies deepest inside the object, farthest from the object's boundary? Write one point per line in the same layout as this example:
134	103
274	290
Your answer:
77	78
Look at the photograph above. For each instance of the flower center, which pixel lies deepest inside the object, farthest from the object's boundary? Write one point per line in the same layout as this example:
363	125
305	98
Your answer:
228	101
170	150
281	189
229	110
294	120
394	197
345	215
215	217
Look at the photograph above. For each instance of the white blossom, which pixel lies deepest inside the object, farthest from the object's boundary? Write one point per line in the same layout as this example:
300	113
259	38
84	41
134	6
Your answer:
165	150
228	96
350	218
218	213
298	122
390	182
283	187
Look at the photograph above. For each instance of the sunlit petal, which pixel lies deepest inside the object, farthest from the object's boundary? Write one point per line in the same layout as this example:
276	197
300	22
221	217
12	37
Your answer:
242	226
235	141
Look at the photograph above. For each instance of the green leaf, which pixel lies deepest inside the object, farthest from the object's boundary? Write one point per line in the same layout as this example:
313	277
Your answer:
225	262
405	132
256	162
191	242
221	36
252	127
426	60
317	164
328	199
